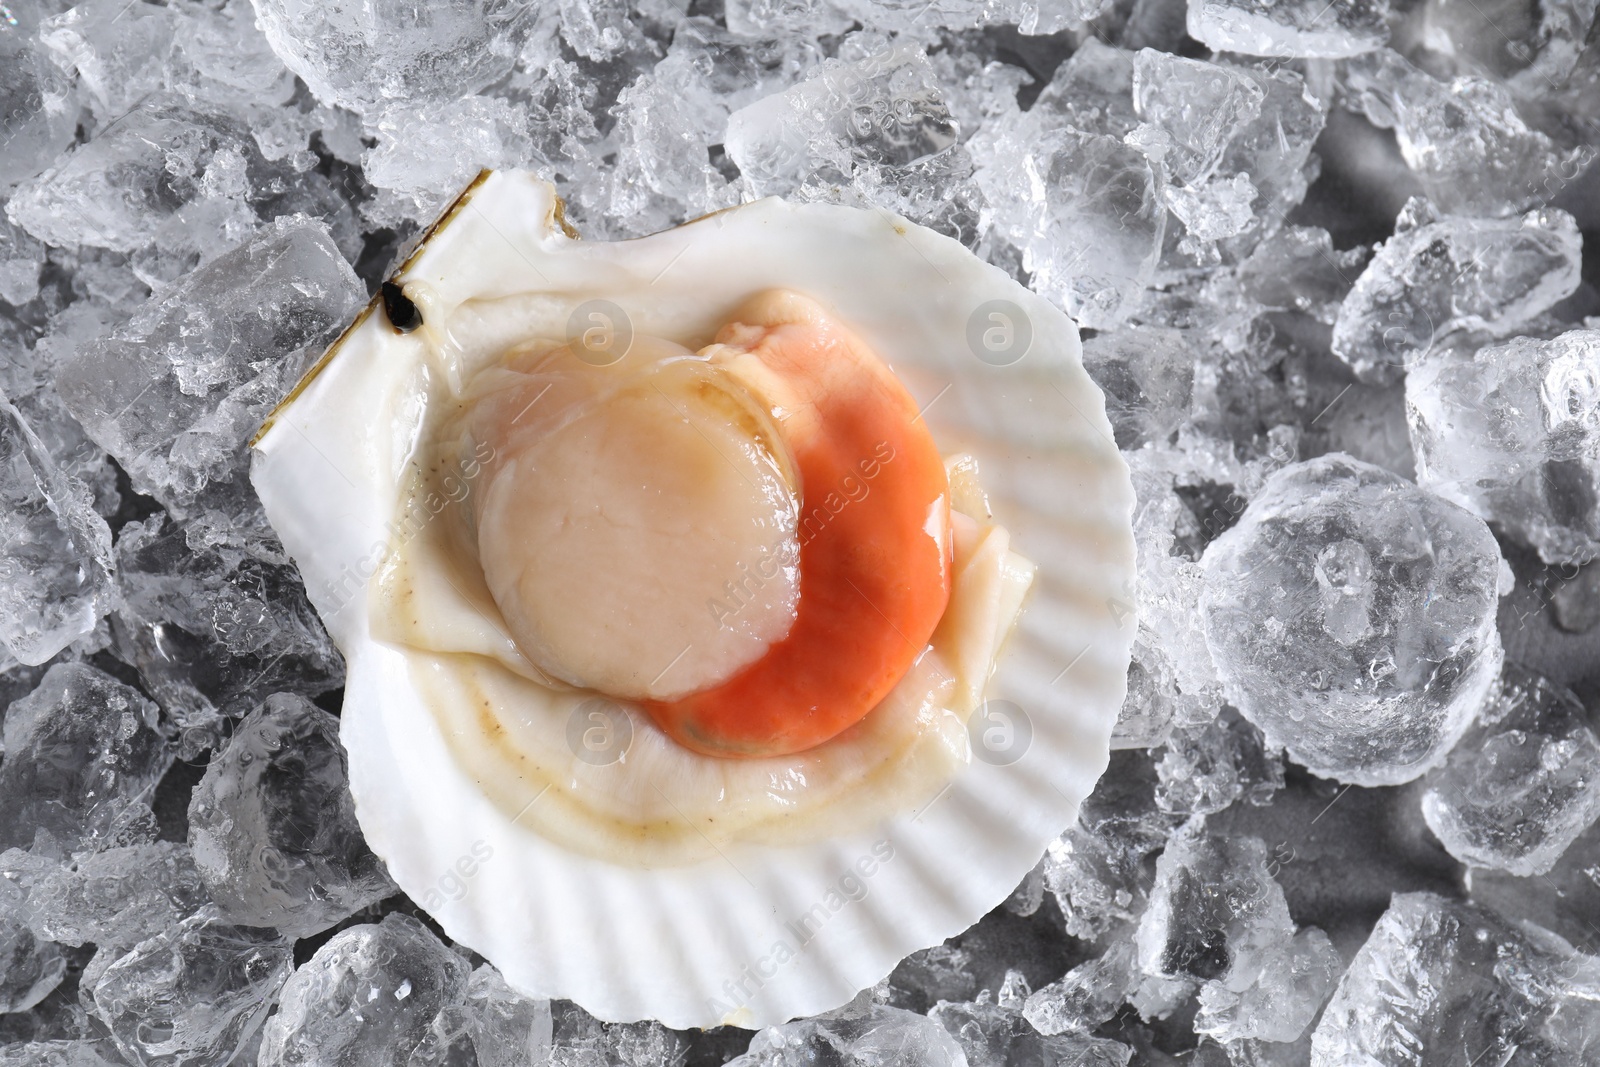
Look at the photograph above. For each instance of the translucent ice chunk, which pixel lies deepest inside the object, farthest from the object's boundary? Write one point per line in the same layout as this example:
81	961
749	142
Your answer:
176	183
872	130
1192	110
1292	29
1513	432
1087	996
1218	918
119	896
21	258
273	826
772	18
193	995
1205	768
368	996
1085	209
29	968
493	1027
1438	275
59	1053
993	1033
861	1034
214	616
1442	982
1532	52
1523	783
55	551
1148	375
120	50
1352	617
427	152
1098	870
363	55
673	115
82	756
1470	147
38	103
224	57
176	392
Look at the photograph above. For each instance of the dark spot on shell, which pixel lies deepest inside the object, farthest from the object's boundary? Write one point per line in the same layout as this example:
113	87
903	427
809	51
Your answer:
403	315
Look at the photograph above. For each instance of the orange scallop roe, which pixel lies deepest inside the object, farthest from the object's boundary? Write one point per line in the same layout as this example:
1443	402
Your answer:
874	530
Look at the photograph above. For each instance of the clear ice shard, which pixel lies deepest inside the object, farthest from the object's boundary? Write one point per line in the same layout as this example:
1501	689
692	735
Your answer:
861	1034
872	129
494	1027
367	997
38	102
1513	433
55	551
214	616
365	55
1290	29
1351	616
175	393
1192	110
1439	275
29	966
1218	919
273	828
1523	783
174	182
83	757
1440	982
1470	146
193	995
1098	870
118	896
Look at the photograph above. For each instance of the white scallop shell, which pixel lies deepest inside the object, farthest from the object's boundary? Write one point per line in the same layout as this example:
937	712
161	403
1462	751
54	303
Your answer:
717	942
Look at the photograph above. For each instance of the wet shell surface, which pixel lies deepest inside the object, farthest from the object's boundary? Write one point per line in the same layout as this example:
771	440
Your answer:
779	909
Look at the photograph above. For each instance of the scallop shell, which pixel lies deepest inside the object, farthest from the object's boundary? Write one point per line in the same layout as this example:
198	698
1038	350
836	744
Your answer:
757	934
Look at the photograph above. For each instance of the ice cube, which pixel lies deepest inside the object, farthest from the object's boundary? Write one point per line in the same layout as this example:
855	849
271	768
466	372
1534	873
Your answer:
772	18
494	1027
29	968
993	1033
214	616
1147	374
1445	982
38	102
1351	616
1290	30
364	55
175	393
1465	139
1513	433
1299	271
861	1034
119	896
1523	783
1533	52
273	828
1099	871
21	259
1205	768
82	758
59	1053
224	57
1436	276
55	551
1084	208
1192	111
121	50
872	130
193	995
1089	995
1218	919
670	118
367	996
427	152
